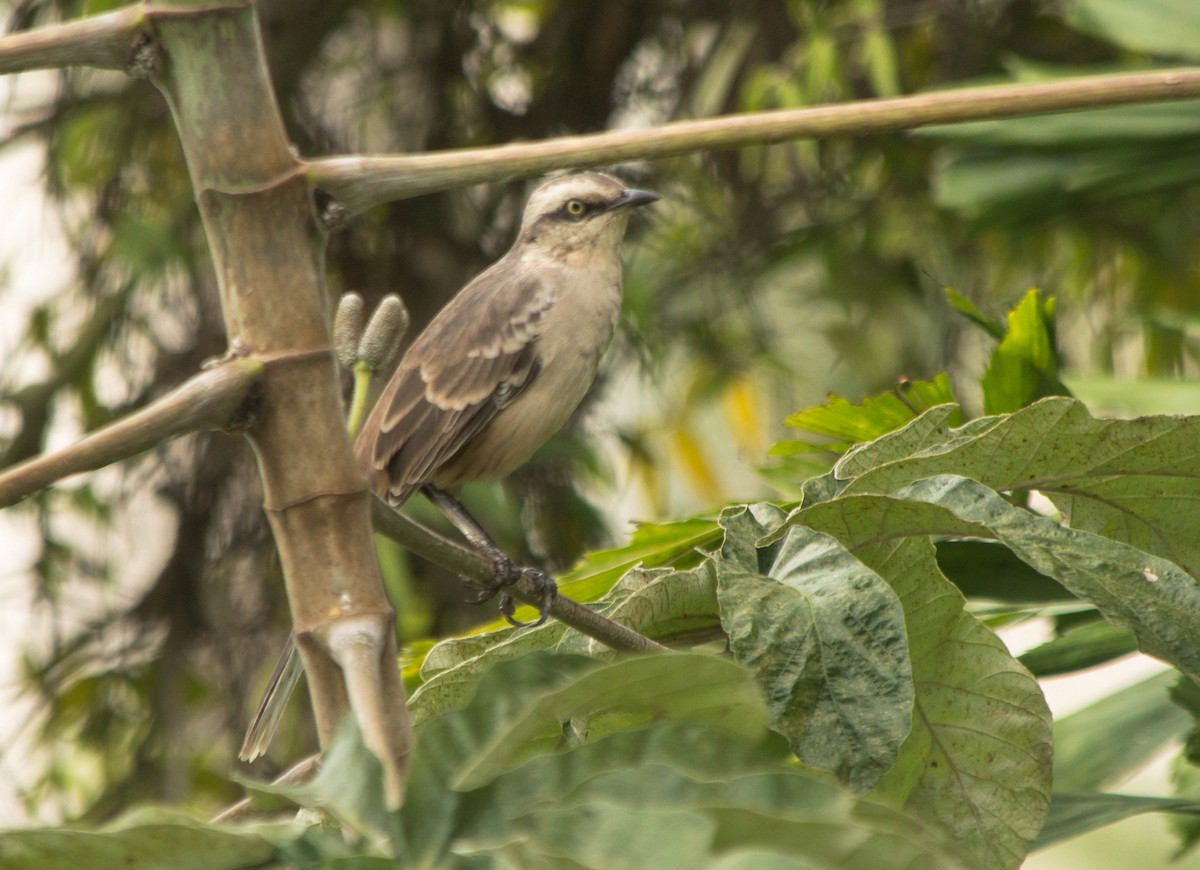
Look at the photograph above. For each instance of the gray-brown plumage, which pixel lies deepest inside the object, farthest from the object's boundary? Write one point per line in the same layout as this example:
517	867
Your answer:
504	364
495	374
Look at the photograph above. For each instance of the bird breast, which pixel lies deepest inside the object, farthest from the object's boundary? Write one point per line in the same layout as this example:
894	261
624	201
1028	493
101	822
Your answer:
574	332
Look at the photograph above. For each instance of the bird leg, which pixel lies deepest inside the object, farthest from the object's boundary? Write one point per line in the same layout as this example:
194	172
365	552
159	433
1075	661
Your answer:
506	572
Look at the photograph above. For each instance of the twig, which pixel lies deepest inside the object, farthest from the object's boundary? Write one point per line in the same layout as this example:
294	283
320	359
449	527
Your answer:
208	400
298	774
475	568
362	181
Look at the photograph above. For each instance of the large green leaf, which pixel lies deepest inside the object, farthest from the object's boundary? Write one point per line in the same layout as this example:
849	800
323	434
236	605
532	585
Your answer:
1136	481
933	432
700	782
701	773
749	806
522	707
977	760
150	839
630	693
825	636
454	667
1149	596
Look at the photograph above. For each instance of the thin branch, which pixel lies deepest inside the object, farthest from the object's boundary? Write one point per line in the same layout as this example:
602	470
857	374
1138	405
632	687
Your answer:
360	182
208	400
475	568
298	774
108	41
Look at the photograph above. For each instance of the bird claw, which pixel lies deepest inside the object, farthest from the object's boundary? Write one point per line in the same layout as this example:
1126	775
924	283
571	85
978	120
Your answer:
506	575
548	590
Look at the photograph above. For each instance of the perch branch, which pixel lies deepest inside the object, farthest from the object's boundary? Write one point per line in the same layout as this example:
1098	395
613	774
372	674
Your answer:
477	569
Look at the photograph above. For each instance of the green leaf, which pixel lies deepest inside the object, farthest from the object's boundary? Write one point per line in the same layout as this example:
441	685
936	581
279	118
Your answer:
1185	779
1011	189
1024	365
666	605
1069	135
1084	646
626	694
652	545
454	667
964	306
661	603
446	743
1075	814
523	707
348	786
755	802
825	636
591	581
988	570
1163	27
1136	481
977	760
1149	596
1109	740
842	424
932	431
746	527
700	782
602	836
149	839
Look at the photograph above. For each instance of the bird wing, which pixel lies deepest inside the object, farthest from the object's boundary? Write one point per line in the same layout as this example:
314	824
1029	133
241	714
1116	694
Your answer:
474	359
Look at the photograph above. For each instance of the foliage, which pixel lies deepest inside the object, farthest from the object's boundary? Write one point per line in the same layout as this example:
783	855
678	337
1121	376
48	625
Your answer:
674	744
774	275
853	652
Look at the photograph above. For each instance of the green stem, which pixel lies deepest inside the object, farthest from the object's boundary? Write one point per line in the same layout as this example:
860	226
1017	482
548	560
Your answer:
358	404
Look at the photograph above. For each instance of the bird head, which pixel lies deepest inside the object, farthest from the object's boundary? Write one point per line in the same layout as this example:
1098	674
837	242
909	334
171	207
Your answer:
580	212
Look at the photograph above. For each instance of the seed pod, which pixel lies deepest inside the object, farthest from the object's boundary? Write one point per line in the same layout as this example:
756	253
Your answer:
381	340
348	329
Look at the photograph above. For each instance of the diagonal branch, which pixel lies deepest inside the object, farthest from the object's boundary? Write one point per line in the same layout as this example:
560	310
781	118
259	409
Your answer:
473	566
359	182
209	400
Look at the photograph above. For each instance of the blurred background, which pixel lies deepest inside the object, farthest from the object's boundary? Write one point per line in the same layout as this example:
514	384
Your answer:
142	607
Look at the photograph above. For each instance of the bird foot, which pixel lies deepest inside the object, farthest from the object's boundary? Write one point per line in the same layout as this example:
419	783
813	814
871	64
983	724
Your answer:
506	574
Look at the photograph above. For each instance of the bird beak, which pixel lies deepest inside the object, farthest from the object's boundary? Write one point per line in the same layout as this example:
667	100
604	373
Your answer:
633	197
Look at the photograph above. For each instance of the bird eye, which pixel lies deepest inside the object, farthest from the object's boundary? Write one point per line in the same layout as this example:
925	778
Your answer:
575	208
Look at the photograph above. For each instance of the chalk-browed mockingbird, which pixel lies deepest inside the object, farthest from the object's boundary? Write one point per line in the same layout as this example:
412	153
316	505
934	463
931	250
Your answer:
497	372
